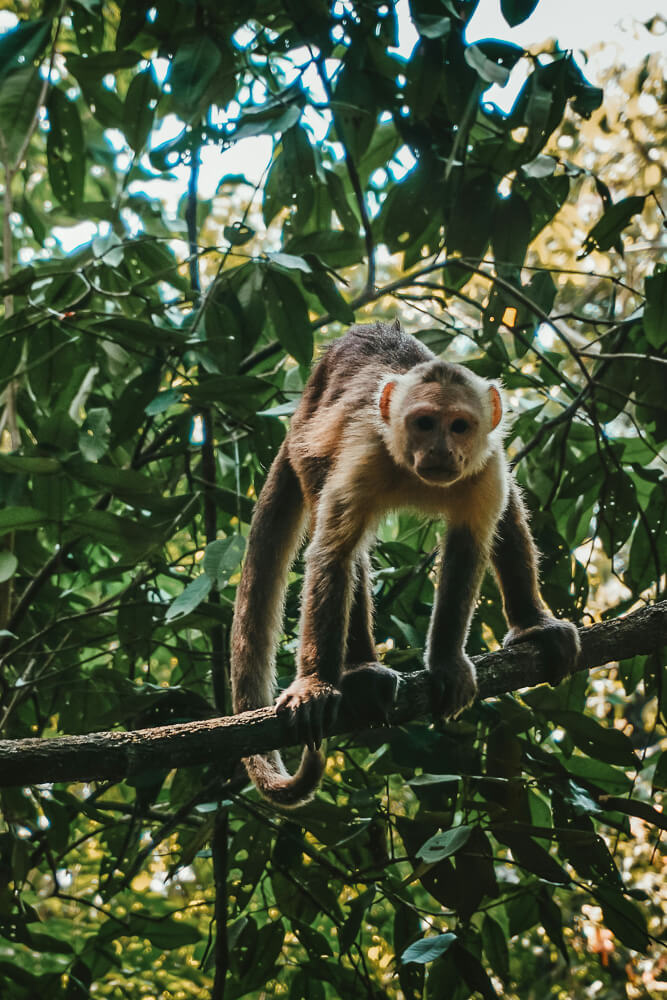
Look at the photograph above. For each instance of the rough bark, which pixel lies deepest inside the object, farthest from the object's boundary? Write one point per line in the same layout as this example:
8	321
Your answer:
116	755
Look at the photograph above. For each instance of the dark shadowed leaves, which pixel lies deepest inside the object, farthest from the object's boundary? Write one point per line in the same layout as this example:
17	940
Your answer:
516	11
607	232
65	149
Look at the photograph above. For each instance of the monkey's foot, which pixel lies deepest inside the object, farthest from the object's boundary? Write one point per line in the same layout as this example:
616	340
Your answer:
558	640
369	691
312	708
453	684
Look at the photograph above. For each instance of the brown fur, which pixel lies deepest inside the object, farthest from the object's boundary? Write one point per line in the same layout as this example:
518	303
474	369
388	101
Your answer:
382	424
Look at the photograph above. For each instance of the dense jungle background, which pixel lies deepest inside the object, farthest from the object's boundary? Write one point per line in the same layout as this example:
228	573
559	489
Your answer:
197	197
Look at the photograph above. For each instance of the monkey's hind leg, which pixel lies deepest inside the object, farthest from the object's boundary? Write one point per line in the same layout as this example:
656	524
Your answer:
368	687
515	561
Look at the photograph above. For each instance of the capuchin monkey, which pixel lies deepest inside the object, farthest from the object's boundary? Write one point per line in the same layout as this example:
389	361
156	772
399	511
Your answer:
382	424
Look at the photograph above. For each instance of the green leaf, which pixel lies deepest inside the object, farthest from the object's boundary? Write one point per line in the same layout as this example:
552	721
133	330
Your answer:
611	779
222	558
65	150
109	249
341	206
22	45
95	435
97	66
468	228
289	315
624	918
494	941
163	934
443	845
531	856
21	519
29	463
124	483
511	231
195	64
119	534
655	311
19	97
607	744
432	25
428	949
129	331
516	11
163	401
660	773
290	261
322	285
433	779
335	247
34	219
139	109
542	166
8	565
607	231
195	592
238	233
490	71
313	941
279	114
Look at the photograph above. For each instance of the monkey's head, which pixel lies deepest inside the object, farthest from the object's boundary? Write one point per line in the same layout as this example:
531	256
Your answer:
438	420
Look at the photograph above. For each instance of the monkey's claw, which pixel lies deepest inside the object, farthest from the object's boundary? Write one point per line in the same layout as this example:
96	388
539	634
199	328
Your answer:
312	708
454	686
558	641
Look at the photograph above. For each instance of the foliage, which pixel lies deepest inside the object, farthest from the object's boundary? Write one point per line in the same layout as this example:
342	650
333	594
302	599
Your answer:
140	414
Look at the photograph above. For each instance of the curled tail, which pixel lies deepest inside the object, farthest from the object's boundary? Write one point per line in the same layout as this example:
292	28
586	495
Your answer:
275	533
272	779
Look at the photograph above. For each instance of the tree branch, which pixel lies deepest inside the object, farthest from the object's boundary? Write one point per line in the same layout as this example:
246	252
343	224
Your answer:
116	755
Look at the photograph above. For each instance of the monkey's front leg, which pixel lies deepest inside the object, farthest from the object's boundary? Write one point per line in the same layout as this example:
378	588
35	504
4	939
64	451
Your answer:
515	560
313	698
453	672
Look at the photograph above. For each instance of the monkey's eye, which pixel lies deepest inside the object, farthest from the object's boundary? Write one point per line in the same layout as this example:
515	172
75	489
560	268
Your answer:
459	426
425	423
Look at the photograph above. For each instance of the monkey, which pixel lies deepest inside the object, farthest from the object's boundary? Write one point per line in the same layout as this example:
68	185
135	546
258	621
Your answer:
382	424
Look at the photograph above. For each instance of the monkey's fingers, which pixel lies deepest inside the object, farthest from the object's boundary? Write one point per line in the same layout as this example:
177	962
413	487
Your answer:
304	726
452	692
321	716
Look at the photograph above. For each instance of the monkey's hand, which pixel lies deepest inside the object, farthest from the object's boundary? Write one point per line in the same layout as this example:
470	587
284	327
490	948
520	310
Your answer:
313	706
369	692
454	685
558	640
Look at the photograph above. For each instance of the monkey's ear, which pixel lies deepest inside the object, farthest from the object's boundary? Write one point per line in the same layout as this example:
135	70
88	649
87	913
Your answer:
496	406
385	399
396	326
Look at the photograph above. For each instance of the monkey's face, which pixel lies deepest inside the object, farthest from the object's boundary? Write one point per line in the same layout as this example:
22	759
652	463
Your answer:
441	432
438	420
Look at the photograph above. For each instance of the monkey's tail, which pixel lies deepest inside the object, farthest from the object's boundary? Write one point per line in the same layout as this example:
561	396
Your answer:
274	782
275	533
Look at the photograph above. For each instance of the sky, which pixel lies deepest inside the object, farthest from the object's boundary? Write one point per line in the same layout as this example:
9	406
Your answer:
577	24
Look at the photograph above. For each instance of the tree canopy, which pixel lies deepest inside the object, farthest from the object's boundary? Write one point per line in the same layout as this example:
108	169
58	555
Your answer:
157	332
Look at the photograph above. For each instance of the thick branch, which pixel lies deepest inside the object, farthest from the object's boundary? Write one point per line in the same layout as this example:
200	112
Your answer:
116	755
